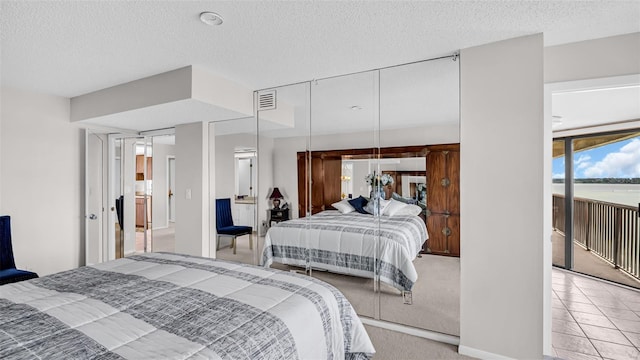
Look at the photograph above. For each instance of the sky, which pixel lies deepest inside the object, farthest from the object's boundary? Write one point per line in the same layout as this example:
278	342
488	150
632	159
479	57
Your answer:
616	160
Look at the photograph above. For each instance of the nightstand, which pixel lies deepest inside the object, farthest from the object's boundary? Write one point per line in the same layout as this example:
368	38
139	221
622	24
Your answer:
277	215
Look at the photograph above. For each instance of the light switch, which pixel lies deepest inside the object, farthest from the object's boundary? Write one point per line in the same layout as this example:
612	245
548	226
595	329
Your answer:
187	194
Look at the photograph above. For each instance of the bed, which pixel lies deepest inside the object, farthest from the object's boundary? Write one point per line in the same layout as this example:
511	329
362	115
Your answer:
168	306
344	243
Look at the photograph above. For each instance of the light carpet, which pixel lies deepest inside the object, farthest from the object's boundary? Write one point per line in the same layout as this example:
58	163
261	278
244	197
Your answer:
436	294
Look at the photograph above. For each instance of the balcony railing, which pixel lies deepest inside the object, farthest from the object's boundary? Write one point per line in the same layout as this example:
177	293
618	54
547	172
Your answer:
610	230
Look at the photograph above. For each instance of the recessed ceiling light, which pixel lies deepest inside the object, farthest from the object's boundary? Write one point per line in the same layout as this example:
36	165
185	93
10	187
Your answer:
356	107
210	18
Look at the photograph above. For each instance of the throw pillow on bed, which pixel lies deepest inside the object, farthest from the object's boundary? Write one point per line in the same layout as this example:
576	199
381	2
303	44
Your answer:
408	209
343	206
392	207
398	208
359	203
370	208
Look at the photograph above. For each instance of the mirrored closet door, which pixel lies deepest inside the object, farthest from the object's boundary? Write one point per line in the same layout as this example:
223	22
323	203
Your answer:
419	137
284	175
233	145
354	157
161	188
344	154
132	186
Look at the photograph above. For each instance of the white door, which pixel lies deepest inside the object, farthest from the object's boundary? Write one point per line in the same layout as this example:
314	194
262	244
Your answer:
94	202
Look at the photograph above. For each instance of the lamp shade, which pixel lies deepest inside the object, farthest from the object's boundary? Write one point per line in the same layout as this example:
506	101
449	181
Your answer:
275	194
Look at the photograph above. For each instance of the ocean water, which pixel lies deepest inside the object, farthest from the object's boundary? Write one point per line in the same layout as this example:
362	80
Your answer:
625	194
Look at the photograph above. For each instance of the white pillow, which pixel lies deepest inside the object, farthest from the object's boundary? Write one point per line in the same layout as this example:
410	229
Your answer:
383	205
392	207
343	206
408	209
370	206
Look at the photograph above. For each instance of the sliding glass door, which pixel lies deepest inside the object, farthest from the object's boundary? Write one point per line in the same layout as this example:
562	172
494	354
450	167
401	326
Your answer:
603	234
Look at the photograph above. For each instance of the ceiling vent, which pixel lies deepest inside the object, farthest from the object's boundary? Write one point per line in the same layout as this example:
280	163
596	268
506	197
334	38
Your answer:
267	100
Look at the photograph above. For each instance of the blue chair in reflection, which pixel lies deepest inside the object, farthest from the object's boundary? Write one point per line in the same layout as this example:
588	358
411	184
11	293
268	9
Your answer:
8	271
225	226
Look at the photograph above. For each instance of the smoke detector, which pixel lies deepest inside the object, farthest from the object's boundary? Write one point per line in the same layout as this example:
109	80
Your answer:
210	18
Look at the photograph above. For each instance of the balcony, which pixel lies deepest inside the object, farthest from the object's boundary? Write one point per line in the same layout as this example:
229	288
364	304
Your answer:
606	239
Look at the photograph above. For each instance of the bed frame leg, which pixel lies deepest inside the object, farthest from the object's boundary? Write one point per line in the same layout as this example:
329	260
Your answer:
407	296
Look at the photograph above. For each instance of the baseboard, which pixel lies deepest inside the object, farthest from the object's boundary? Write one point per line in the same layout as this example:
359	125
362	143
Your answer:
480	354
431	335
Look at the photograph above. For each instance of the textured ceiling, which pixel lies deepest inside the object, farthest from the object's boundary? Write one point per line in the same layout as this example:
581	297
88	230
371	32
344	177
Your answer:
69	48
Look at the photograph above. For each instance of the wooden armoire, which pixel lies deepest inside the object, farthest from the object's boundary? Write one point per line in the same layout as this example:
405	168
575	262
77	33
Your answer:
443	200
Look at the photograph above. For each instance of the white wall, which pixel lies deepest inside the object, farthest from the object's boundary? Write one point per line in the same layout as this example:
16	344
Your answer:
42	178
160	194
502	140
612	56
192	189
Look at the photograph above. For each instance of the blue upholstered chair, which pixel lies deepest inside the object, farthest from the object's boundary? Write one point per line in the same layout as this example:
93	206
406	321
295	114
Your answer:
225	227
8	271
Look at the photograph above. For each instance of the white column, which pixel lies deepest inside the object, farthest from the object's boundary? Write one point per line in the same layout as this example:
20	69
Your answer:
502	235
192	189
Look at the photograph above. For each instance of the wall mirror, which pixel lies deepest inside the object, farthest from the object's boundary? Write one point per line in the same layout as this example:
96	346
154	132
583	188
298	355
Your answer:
234	144
283	123
345	137
342	246
162	184
419	106
245	176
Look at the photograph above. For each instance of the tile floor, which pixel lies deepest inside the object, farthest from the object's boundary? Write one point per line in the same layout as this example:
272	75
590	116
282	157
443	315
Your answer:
594	319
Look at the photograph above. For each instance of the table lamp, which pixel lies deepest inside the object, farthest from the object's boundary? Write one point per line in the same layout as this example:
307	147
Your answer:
275	198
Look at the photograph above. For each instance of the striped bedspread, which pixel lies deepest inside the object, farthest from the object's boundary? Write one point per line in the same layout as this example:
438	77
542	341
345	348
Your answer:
345	243
167	306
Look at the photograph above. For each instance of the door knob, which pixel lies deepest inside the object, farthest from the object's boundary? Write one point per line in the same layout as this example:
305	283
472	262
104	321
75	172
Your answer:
92	216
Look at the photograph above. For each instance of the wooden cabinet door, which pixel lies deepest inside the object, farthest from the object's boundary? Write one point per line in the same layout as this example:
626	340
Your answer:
444	234
453	222
332	171
317	185
139	164
302	184
139	212
443	181
149	168
140	167
453	190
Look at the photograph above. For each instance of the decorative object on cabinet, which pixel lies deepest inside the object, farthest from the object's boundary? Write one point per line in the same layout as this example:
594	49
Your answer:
278	215
379	184
275	198
225	226
8	272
